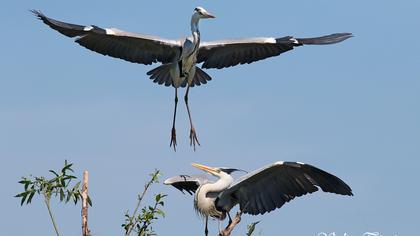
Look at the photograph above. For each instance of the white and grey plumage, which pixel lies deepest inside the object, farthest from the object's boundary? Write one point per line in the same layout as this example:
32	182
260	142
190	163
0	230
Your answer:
257	192
180	57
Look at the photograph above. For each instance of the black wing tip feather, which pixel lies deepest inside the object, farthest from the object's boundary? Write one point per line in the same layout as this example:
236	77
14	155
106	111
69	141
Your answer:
40	16
327	39
332	183
37	13
67	29
339	37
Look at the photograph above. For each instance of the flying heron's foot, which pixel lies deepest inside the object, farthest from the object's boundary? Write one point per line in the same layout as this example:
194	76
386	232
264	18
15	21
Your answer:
193	138
173	139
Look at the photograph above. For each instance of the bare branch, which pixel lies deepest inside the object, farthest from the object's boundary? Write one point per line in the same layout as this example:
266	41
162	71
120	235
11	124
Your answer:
85	205
228	230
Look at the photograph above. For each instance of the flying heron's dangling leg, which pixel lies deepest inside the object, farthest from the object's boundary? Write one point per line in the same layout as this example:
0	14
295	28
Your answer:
206	230
173	136
193	135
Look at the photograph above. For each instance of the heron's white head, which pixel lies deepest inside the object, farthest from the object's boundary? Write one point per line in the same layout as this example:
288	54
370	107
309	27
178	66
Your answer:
201	13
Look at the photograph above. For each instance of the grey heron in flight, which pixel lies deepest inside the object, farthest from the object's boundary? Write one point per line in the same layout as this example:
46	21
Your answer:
257	192
180	57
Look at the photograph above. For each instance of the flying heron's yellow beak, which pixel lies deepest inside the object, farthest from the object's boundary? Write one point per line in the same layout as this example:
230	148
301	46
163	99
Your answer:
205	168
209	15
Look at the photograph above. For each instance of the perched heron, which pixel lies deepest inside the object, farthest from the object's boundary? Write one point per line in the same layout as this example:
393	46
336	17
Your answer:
180	57
257	192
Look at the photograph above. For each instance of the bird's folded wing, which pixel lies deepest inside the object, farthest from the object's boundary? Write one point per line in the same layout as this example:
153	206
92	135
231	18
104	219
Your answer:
189	183
227	53
270	187
112	42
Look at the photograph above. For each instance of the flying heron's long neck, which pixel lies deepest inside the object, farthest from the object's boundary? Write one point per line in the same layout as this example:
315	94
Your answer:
194	29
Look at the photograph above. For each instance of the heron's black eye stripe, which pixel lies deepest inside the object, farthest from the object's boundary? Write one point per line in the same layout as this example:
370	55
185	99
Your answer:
198	10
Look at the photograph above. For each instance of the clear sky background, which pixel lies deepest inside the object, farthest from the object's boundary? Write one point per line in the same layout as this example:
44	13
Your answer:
352	109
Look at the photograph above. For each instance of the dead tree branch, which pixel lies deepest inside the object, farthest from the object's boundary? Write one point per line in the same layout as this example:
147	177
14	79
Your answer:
228	230
85	205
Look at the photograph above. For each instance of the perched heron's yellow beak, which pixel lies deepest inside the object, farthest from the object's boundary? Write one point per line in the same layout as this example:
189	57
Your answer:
205	168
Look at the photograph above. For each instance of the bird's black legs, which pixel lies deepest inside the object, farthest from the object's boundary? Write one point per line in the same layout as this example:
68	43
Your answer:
193	135
173	135
206	230
230	218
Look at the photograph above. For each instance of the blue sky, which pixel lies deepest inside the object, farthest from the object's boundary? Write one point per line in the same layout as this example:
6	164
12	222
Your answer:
351	109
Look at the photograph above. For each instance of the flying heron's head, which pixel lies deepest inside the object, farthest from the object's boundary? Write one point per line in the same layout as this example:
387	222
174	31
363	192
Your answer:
216	171
201	13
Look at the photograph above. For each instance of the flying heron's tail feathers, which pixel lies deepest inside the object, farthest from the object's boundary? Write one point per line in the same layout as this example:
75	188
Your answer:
327	39
200	77
161	75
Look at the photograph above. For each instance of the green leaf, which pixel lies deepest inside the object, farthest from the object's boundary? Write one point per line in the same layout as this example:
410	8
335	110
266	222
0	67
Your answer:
69	177
76	187
67	166
160	212
68	196
89	201
24	198
62	196
27	185
25	182
30	197
20	194
52	180
55	173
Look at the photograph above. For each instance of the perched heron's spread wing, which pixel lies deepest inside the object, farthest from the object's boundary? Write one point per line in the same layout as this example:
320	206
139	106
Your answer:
189	183
220	54
270	187
131	47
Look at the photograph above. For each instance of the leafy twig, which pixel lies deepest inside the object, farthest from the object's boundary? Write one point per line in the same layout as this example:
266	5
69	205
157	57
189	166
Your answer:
141	222
58	186
251	228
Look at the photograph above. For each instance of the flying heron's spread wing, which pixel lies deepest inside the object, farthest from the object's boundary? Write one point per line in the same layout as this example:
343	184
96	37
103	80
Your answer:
220	54
131	47
189	183
270	187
